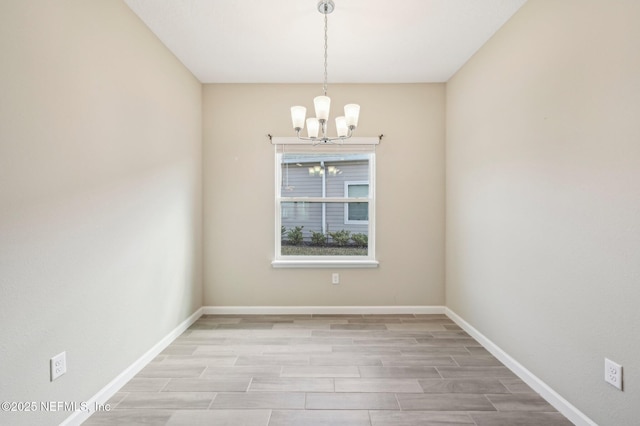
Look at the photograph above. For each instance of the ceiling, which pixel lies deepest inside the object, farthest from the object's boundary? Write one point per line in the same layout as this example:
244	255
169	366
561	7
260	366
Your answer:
282	41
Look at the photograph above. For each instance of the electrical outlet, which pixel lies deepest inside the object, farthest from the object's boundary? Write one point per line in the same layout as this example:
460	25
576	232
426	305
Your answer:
613	373
58	365
335	278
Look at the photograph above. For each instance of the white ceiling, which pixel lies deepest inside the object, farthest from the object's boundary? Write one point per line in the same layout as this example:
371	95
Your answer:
282	41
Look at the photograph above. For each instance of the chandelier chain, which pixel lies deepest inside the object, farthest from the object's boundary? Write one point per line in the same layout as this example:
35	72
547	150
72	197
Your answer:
325	52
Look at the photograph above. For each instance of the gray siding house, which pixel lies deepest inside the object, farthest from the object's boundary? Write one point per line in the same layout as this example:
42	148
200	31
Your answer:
325	177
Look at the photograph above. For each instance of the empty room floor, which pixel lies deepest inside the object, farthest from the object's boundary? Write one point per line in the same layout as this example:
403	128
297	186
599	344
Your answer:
326	370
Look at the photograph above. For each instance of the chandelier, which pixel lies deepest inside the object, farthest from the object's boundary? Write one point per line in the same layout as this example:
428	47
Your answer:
317	126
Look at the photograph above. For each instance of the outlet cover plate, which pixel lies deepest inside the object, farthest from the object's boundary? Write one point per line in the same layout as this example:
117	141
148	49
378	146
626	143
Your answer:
613	373
58	365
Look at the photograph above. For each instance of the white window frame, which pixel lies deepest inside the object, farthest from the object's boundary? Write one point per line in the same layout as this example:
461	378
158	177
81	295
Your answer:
346	205
368	261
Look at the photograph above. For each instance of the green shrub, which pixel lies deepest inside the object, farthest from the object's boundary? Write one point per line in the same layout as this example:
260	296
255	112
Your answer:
318	238
360	240
295	235
341	238
283	231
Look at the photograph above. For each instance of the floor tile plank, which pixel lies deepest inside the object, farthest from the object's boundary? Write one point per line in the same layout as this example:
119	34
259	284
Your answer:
172	371
420	418
520	419
220	418
412	372
382	385
320	371
146	417
351	401
466	372
520	402
445	402
167	400
141	384
478	386
241	371
253	400
220	384
268	384
320	418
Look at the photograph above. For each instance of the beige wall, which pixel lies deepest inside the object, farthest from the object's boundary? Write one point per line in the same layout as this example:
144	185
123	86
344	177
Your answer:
239	197
543	197
100	197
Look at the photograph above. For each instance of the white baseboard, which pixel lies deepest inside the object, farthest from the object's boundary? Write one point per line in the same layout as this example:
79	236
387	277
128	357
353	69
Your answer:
331	310
114	386
551	396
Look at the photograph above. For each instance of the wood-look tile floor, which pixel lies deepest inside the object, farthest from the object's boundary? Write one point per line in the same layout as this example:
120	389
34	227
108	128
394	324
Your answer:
327	370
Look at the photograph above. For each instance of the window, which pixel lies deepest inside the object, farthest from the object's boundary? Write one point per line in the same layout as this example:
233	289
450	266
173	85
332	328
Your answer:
356	213
325	206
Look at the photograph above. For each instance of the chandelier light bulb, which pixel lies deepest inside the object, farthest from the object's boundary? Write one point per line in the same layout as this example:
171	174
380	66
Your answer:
313	126
341	126
351	114
322	105
298	114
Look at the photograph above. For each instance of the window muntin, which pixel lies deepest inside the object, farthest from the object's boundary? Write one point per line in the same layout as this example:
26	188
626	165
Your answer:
312	190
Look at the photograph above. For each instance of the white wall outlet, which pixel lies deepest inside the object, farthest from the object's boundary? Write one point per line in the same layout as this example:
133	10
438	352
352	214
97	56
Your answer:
613	373
335	278
58	365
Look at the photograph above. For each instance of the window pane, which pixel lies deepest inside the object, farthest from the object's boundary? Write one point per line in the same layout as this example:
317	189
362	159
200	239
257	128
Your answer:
358	190
358	211
305	175
307	215
318	229
301	179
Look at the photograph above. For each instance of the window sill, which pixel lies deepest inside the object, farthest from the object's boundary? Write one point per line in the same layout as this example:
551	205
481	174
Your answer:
308	264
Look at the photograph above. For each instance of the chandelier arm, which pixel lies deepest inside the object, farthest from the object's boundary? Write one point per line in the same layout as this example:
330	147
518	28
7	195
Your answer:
324	138
302	138
318	141
342	138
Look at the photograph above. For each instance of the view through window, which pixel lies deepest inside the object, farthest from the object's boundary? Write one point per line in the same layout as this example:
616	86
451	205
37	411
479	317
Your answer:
324	205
